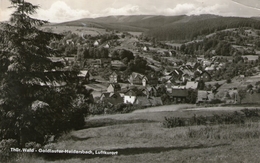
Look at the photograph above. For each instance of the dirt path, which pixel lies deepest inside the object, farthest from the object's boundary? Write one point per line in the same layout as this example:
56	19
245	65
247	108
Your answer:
159	113
231	108
144	113
165	108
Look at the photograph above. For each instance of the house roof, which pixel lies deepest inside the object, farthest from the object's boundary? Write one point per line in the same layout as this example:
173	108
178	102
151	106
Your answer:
192	85
135	76
112	98
205	72
179	93
202	95
134	92
151	101
83	73
113	74
115	85
118	63
178	87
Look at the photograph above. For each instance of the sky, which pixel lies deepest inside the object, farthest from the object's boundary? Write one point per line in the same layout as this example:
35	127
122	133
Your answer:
66	10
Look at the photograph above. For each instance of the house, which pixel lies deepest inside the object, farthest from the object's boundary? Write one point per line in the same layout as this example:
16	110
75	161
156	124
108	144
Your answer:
145	48
105	62
205	76
69	42
155	68
152	78
148	101
149	90
96	63
85	76
118	65
166	72
113	87
187	77
205	96
131	95
96	43
206	63
178	95
113	78
137	79
106	46
192	85
112	98
179	87
177	74
210	68
169	86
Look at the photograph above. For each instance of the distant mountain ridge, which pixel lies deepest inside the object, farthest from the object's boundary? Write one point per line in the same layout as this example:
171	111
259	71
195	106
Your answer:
161	27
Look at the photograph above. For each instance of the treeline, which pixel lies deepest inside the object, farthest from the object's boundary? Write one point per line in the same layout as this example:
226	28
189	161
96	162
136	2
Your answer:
220	43
192	29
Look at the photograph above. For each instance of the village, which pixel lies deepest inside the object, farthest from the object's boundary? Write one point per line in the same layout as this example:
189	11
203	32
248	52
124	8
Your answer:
132	69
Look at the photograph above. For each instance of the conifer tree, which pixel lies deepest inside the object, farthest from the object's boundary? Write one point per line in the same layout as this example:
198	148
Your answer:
36	96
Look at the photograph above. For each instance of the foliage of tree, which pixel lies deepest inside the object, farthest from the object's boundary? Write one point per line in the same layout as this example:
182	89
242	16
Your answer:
121	54
193	29
35	100
192	96
241	94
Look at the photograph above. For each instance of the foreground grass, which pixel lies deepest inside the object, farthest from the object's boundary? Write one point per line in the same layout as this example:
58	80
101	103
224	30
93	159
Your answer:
150	142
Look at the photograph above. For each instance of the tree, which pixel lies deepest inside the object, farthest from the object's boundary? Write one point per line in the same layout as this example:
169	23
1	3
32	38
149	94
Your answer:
192	96
241	94
35	100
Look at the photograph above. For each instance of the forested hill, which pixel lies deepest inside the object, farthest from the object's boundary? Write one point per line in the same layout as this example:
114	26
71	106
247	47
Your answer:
191	29
180	27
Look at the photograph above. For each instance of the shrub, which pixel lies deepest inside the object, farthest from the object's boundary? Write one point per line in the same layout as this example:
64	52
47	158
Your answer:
96	109
32	145
5	149
235	118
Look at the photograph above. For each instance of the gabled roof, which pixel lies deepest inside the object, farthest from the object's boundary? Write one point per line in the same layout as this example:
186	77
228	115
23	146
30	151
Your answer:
113	74
135	76
112	98
83	73
205	72
134	92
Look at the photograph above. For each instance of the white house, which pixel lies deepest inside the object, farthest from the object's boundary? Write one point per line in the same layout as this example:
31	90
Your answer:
130	97
96	43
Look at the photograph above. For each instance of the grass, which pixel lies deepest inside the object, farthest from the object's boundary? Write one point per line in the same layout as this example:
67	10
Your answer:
146	140
149	142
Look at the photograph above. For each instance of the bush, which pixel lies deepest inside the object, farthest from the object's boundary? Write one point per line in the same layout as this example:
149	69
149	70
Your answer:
123	108
96	109
5	149
235	118
228	81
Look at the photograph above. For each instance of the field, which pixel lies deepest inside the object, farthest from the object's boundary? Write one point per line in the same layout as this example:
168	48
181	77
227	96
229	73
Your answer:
140	137
75	29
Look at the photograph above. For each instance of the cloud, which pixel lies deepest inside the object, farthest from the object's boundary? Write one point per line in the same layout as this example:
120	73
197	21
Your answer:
60	12
215	9
181	9
126	10
192	9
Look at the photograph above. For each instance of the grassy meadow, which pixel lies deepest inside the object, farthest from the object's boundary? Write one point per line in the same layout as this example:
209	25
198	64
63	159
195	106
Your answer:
144	139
